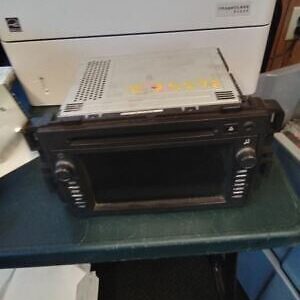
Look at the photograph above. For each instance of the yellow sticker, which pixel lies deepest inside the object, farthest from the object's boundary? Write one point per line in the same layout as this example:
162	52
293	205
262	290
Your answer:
215	83
203	83
158	87
189	85
136	88
174	87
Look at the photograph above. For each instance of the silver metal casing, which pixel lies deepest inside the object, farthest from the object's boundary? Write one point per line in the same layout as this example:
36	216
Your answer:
135	84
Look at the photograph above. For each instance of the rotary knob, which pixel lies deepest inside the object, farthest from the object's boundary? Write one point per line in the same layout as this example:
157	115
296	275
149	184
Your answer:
246	158
64	170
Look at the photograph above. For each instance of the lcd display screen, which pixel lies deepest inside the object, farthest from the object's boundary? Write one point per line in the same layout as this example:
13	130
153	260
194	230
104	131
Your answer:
165	173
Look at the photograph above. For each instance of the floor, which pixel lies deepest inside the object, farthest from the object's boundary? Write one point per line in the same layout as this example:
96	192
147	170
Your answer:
167	279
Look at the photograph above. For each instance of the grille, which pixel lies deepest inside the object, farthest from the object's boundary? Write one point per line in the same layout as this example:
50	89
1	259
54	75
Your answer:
73	107
91	86
225	95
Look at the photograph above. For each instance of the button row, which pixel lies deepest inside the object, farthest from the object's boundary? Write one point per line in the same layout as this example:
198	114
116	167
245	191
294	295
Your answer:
239	184
234	127
76	194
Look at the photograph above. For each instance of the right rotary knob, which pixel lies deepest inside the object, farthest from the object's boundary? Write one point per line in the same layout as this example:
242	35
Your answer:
246	158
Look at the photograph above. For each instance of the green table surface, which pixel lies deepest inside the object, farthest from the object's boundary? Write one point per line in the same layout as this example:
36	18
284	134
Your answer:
37	229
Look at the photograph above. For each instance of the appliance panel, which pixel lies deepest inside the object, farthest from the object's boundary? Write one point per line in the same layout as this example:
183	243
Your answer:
47	68
35	19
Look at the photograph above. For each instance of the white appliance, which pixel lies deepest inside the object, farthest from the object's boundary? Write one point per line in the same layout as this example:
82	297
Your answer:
12	119
46	40
14	151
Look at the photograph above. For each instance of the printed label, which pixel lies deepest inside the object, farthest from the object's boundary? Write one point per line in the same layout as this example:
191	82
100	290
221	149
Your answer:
13	24
234	9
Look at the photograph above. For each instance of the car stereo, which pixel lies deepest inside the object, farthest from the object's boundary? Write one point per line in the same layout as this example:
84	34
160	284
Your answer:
158	131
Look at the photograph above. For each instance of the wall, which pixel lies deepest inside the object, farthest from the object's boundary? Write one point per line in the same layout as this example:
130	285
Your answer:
280	54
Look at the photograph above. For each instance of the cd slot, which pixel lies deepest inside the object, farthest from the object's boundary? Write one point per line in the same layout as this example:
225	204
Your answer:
160	204
146	139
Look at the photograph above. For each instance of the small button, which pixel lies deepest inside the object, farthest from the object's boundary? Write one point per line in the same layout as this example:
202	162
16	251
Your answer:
231	128
238	189
249	126
81	206
75	191
241	176
77	195
239	184
239	180
242	171
72	187
238	192
72	183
